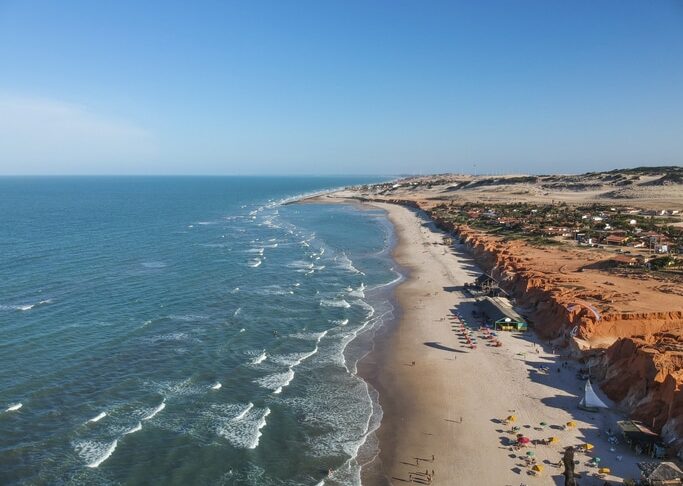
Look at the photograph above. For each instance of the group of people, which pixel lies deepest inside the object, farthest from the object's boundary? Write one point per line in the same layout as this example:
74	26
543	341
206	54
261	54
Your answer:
422	477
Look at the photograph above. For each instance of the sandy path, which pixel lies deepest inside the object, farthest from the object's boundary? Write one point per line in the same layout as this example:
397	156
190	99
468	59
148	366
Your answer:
424	403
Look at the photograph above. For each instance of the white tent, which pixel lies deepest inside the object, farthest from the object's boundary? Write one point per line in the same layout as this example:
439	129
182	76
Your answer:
591	401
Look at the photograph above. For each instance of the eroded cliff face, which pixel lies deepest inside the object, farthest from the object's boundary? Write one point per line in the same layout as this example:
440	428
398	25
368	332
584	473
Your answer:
644	375
557	300
642	369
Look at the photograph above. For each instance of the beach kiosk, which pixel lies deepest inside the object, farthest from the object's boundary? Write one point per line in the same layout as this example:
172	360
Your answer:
498	312
639	437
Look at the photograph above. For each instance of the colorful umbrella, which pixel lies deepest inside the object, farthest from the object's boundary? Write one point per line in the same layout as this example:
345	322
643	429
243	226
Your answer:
523	440
530	453
537	468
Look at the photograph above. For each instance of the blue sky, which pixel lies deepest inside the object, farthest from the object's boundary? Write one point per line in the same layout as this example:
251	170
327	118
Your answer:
324	87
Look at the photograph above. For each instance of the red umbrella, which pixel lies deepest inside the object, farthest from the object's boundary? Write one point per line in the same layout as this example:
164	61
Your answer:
523	440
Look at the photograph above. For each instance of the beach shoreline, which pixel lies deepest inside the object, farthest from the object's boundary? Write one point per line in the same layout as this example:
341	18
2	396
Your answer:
442	402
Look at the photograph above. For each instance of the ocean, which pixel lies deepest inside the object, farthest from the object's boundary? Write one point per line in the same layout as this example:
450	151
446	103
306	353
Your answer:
187	330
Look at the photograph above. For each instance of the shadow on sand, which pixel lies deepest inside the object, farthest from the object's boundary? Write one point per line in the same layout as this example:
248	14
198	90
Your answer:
442	347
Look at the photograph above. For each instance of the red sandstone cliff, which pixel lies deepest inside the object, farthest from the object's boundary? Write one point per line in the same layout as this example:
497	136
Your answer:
643	369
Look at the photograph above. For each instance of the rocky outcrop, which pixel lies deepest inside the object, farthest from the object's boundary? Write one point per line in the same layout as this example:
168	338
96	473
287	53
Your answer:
644	374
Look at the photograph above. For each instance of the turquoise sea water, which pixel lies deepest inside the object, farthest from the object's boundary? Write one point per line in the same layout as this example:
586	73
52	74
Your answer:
186	330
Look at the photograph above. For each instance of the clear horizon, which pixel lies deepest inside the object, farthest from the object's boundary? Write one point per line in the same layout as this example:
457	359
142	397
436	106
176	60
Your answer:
365	88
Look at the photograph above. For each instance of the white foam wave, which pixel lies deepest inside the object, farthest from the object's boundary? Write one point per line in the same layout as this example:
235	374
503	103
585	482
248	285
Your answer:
277	381
260	358
370	309
133	429
359	292
244	429
153	413
340	322
153	264
14	407
216	386
335	303
309	336
99	417
243	413
395	280
95	453
173	336
237	312
24	307
301	265
260	425
272	290
254	263
346	264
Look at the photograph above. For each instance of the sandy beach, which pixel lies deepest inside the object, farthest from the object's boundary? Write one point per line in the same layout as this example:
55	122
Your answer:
444	404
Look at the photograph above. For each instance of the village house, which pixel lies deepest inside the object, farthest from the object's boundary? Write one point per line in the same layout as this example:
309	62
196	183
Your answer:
625	261
616	239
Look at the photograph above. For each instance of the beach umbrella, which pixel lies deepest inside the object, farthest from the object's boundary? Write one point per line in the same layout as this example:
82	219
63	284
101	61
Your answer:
604	470
543	424
537	468
571	424
596	460
523	440
530	453
588	446
511	418
553	440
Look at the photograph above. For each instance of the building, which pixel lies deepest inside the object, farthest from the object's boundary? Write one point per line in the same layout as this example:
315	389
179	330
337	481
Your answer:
625	261
660	473
616	240
498	311
638	436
